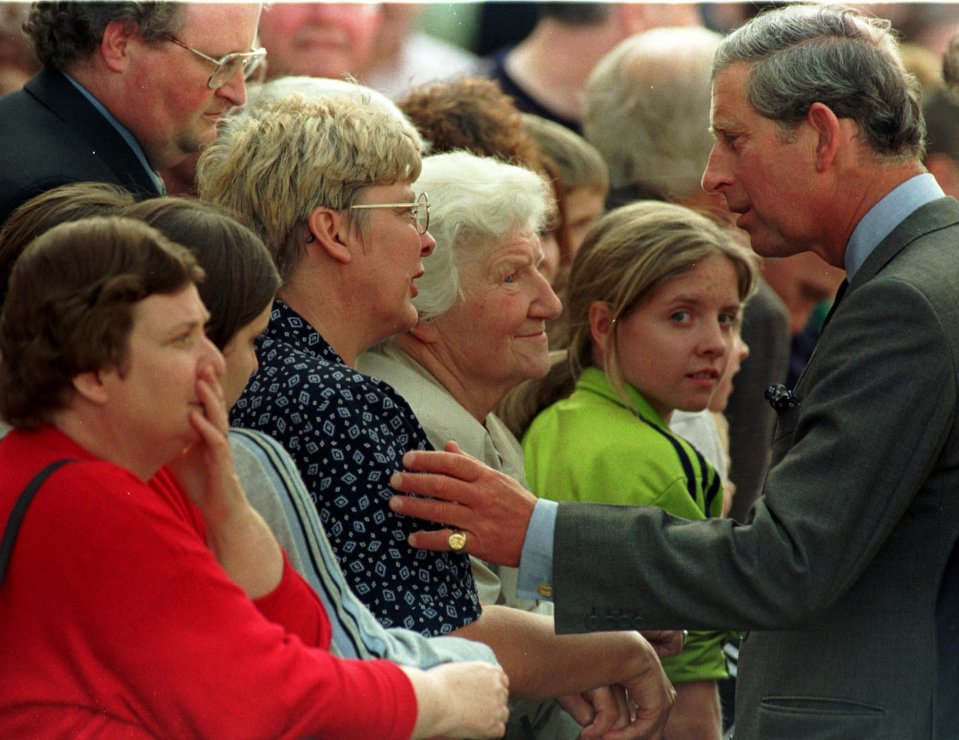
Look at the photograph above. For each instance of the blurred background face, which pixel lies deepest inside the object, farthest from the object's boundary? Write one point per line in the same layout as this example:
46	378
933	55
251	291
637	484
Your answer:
802	281
583	206
319	39
739	353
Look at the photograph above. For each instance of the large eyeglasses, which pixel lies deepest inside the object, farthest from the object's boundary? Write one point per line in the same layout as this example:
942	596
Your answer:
227	65
420	210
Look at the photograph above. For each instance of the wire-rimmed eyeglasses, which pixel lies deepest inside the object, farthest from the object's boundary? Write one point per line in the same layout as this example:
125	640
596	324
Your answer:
420	210
227	65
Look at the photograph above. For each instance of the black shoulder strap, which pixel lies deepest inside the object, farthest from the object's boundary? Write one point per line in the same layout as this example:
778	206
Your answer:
19	509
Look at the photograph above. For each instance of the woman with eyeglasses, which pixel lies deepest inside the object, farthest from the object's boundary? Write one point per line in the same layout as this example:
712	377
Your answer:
143	595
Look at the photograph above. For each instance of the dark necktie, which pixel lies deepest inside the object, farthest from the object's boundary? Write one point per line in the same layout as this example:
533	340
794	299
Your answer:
839	294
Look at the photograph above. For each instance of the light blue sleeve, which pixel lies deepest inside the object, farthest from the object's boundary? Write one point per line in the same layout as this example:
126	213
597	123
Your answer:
269	476
536	560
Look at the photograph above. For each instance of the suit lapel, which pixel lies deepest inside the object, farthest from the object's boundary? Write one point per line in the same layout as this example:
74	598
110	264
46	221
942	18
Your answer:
54	91
937	214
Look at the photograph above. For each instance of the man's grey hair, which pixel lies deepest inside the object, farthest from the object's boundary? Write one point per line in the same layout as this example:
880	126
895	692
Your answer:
803	54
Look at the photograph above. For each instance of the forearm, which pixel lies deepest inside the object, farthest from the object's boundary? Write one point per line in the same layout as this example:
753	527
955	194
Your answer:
541	664
246	549
696	714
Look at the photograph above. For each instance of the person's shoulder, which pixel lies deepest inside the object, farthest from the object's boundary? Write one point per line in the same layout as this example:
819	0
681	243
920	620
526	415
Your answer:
253	447
89	490
929	259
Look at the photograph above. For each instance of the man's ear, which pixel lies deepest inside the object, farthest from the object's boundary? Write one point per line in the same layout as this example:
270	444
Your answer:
330	231
829	131
91	387
600	324
114	47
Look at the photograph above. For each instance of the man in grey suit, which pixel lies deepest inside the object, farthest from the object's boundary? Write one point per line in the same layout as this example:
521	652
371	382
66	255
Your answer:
838	572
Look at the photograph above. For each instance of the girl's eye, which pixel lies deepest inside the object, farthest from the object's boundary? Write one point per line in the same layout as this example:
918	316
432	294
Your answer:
729	319
680	316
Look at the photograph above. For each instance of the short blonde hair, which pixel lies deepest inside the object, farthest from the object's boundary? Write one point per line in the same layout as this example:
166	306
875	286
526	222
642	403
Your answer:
273	165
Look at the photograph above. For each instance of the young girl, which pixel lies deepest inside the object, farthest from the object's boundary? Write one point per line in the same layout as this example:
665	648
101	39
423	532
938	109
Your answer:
652	314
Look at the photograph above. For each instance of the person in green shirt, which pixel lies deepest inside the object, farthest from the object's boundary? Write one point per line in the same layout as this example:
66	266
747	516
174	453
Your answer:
653	306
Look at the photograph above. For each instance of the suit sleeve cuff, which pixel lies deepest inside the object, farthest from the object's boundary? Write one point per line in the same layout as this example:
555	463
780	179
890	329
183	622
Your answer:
536	560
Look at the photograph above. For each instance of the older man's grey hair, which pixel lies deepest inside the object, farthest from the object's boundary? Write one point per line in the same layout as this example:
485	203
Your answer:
646	110
803	54
476	204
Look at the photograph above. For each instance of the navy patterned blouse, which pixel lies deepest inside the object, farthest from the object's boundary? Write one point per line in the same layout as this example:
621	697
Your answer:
347	433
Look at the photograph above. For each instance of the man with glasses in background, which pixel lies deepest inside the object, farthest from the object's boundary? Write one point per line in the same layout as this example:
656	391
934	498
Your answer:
127	89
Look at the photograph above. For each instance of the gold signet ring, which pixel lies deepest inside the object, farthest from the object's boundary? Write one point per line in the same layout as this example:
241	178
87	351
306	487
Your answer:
457	541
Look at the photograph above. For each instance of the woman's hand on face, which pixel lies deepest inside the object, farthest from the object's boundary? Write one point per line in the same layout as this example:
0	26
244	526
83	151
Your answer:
239	538
205	468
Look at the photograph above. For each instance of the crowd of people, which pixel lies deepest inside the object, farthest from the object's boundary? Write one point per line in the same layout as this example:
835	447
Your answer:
347	395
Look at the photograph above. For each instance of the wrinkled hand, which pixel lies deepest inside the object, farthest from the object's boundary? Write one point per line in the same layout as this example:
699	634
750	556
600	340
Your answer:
665	642
492	509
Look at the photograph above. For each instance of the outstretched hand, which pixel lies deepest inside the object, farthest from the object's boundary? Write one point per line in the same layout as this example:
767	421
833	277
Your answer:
491	509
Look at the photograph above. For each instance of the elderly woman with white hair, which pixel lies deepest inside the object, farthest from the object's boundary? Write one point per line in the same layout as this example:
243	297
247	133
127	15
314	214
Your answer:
483	305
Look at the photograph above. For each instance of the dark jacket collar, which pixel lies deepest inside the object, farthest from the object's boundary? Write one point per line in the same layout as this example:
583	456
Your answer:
54	91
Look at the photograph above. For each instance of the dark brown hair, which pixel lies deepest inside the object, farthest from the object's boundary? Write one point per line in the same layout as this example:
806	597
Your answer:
241	279
70	308
52	208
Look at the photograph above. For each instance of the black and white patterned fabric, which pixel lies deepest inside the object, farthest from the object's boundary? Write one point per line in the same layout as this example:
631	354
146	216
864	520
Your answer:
347	433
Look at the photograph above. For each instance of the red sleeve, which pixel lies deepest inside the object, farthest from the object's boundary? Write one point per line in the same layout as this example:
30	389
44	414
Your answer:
150	623
292	604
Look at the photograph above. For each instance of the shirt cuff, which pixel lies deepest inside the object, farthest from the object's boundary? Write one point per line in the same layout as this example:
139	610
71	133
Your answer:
536	560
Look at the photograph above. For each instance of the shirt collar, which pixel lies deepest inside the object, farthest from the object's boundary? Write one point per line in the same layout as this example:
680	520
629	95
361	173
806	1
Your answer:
287	325
595	380
886	215
129	138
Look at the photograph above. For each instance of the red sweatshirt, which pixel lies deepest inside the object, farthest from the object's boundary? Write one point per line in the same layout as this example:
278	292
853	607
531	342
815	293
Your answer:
116	620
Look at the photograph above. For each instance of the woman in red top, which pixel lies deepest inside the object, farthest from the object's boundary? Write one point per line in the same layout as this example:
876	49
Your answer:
164	609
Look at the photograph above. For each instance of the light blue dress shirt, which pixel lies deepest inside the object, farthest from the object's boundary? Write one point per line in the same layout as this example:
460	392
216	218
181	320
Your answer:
536	560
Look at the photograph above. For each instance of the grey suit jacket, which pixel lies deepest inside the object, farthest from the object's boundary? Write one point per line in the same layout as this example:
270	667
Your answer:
839	566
